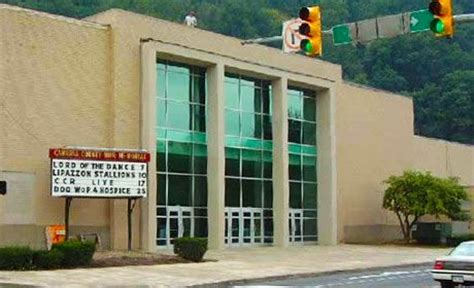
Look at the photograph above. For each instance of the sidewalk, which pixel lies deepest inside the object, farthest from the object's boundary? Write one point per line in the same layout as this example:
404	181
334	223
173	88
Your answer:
232	265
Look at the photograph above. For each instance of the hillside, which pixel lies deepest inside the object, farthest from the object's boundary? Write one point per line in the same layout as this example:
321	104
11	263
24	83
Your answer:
437	73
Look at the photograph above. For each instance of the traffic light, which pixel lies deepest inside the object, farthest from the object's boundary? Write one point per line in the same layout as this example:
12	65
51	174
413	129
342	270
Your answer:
311	28
443	23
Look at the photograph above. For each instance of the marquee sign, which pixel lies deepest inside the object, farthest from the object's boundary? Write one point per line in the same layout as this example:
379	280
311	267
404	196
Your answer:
99	173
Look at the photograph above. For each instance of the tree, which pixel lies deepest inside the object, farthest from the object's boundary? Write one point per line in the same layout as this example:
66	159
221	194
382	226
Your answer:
415	194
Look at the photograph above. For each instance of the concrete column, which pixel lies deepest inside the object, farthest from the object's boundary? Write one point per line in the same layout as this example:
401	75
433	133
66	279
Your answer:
281	190
148	142
327	176
216	156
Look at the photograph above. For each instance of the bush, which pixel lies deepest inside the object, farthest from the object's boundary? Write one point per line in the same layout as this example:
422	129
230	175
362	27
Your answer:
76	253
454	241
191	248
43	259
16	258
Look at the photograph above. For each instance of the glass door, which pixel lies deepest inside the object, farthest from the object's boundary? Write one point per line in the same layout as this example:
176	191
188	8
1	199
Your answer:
296	225
180	223
243	226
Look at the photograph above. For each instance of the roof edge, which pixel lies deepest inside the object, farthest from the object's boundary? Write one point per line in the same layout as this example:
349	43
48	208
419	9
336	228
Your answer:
370	88
151	18
56	17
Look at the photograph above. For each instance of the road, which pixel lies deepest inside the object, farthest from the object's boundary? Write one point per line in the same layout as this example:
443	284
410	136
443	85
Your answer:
406	277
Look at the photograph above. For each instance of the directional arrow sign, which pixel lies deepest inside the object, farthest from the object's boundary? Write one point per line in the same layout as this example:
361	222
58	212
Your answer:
420	21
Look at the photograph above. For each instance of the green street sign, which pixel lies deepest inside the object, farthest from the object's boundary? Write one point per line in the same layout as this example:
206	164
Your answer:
341	34
420	21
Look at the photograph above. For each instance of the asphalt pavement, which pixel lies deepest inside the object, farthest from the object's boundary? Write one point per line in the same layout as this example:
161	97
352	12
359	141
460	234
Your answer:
396	277
235	265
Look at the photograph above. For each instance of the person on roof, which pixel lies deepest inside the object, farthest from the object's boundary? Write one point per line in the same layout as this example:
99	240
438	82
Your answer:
190	19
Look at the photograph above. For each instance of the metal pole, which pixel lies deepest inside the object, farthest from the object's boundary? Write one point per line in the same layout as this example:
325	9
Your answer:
272	39
262	40
464	18
67	208
129	210
130	207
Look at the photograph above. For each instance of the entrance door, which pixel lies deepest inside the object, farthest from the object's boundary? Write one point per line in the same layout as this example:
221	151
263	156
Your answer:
243	226
180	223
296	225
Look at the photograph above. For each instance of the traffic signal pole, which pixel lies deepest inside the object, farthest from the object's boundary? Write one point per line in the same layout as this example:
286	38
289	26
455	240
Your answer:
272	39
464	18
458	19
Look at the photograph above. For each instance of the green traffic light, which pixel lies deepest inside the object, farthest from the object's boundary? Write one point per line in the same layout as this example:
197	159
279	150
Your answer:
306	46
437	26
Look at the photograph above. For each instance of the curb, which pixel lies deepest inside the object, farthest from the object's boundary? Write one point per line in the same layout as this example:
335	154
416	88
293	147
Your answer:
303	275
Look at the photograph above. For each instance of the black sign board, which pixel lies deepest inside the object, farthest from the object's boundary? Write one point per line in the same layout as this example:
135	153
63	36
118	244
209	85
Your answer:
3	187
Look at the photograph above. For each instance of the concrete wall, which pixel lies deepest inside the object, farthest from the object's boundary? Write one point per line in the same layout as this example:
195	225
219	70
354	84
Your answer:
374	136
54	92
444	159
375	140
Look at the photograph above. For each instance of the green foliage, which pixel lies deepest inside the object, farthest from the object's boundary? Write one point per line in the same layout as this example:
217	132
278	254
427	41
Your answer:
414	64
16	258
191	248
76	253
46	260
415	194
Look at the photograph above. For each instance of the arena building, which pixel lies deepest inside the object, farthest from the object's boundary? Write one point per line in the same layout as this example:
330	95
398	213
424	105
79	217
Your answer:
249	146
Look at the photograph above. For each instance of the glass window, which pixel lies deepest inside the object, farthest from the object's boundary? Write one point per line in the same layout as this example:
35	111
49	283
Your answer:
232	192
267	128
232	122
161	199
266	102
309	133
268	194
310	195
161	113
179	190
294	106
181	145
161	83
302	158
200	227
161	161
252	193
295	167
309	227
179	115
267	164
249	152
294	131
232	162
200	191
251	125
179	86
295	195
309	168
200	159
199	89
179	157
251	163
232	99
309	109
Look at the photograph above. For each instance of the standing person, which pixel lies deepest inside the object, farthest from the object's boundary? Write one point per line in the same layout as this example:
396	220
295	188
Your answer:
190	19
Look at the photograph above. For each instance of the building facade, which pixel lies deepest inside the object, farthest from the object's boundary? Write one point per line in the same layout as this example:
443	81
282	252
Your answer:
249	146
